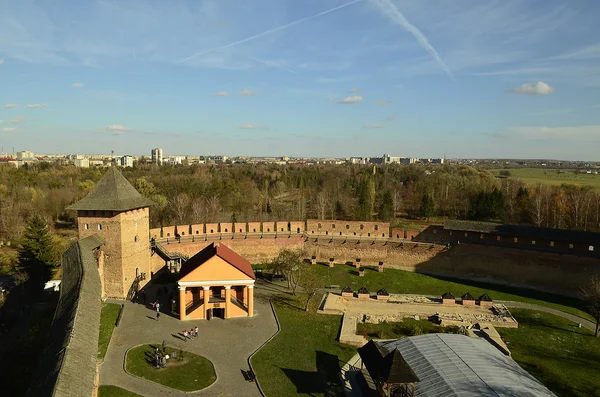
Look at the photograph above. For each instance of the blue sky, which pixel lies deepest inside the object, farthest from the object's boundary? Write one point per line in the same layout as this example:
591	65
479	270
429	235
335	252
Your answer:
423	78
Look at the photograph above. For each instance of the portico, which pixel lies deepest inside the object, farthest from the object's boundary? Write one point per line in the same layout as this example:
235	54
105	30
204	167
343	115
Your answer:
216	282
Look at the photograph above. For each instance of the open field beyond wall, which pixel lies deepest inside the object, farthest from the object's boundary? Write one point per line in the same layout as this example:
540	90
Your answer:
534	176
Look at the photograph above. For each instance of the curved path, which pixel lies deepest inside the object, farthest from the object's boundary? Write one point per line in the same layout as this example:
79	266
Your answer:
227	343
560	313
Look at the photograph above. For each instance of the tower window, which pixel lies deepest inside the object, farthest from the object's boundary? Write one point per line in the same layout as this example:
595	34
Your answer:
99	226
86	226
362	227
376	227
333	225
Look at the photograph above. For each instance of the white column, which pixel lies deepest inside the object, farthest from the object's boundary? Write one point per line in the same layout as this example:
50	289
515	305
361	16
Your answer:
250	300
205	293
182	303
227	300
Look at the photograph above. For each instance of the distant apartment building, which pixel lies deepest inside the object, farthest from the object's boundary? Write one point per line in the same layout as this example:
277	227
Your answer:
175	160
25	155
157	156
358	160
409	160
387	159
126	161
82	163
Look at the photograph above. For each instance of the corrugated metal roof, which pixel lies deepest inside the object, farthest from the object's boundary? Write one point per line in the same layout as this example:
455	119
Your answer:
112	193
456	365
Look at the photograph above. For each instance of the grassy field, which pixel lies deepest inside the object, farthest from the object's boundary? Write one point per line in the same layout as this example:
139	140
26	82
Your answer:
533	176
407	327
114	391
305	357
190	374
404	282
108	317
563	357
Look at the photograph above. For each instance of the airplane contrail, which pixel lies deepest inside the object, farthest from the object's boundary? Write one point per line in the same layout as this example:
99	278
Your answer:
266	32
391	11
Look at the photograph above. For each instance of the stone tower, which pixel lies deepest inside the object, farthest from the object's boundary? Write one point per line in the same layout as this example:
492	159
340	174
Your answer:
118	214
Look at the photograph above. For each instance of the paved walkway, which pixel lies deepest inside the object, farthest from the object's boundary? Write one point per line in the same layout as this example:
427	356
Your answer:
560	313
227	343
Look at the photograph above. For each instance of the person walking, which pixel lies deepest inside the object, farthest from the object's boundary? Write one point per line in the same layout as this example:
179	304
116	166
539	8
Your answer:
196	331
157	316
185	335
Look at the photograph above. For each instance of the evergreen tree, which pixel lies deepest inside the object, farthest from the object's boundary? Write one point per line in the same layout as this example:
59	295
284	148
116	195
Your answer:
36	255
366	200
427	209
386	211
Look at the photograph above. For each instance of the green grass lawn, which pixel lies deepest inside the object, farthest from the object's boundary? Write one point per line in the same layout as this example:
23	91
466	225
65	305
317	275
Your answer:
533	176
114	391
563	357
407	327
405	282
190	374
305	357
108	317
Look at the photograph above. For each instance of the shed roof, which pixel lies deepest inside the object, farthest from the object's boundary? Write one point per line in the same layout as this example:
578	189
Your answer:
448	295
363	290
347	288
223	252
383	291
456	365
523	231
468	297
485	298
112	193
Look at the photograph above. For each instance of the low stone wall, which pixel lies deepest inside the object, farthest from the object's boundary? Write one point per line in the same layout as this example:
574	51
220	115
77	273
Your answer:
68	365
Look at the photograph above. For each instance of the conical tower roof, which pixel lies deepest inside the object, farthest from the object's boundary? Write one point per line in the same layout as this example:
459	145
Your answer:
112	193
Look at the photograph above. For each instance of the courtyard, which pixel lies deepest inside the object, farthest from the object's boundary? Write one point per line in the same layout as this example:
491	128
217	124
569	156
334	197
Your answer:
226	343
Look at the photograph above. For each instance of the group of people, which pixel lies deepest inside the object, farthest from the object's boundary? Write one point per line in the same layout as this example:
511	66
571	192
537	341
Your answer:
160	359
189	334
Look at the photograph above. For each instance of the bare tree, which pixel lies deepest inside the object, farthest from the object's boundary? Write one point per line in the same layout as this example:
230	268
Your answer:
289	263
180	204
591	295
310	283
213	209
539	205
321	202
198	208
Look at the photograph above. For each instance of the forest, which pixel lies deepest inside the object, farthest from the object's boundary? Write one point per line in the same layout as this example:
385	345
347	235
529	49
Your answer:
262	192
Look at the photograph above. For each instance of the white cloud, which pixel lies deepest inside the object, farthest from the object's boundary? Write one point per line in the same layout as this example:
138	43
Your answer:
250	127
77	85
220	93
390	118
8	129
388	8
353	90
333	80
349	100
117	129
373	126
17	119
539	88
581	133
11	105
1	61
381	102
247	92
36	105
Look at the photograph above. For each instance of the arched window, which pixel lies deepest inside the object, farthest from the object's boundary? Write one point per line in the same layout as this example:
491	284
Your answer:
347	227
340	233
570	245
362	227
183	233
551	243
86	226
397	236
211	231
326	232
376	227
516	240
532	242
99	226
591	248
168	234
369	234
382	234
253	230
268	229
197	232
318	225
298	230
333	225
226	230
240	230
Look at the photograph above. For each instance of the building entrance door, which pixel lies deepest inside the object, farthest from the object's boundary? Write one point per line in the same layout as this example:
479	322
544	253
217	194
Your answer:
219	312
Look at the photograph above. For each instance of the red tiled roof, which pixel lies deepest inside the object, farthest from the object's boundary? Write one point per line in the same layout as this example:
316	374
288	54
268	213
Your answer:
223	252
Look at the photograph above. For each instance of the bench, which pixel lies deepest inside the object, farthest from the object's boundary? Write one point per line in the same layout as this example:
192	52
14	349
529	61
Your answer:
249	375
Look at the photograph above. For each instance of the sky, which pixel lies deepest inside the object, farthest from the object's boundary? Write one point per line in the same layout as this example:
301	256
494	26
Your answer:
321	78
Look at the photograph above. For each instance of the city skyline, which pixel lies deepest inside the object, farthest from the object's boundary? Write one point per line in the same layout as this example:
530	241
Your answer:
326	79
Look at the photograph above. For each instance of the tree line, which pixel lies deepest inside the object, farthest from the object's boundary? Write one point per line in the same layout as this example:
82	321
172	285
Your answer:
267	192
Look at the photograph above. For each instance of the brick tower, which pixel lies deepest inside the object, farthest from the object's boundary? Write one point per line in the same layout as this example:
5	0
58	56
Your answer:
118	214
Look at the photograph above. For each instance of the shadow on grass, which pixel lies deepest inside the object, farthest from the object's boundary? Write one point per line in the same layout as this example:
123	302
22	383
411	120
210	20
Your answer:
323	381
526	292
288	301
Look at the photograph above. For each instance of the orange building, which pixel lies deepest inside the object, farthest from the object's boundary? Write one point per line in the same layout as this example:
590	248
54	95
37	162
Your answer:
216	282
